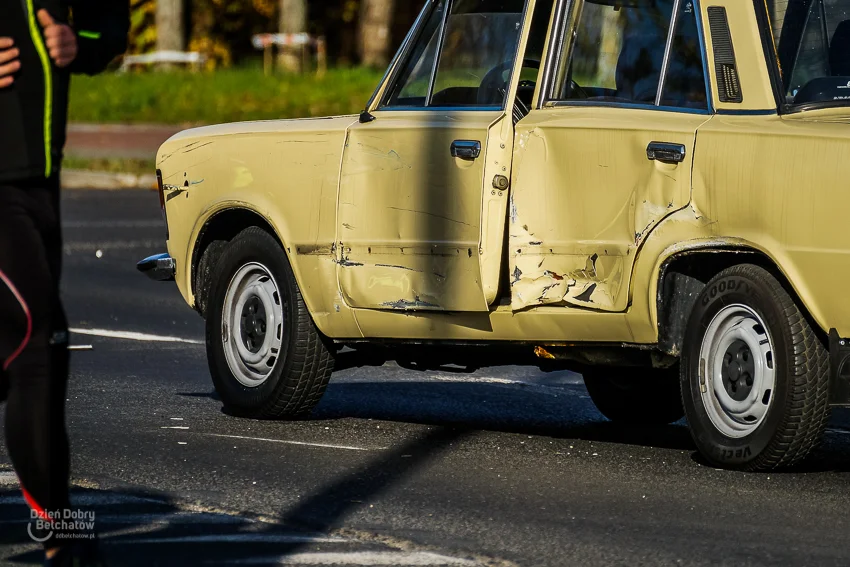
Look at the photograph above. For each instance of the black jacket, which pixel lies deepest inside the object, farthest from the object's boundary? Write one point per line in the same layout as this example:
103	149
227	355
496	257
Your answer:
33	111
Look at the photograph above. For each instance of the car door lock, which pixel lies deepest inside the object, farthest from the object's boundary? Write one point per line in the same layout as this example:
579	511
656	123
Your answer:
501	182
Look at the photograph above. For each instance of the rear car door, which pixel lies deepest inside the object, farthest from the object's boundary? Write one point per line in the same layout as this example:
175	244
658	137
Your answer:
609	154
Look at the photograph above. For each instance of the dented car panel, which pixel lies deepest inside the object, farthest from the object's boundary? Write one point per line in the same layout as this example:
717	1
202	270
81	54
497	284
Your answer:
410	213
212	170
586	197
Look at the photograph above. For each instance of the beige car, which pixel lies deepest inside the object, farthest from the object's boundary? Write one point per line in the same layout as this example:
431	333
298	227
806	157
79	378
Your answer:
655	192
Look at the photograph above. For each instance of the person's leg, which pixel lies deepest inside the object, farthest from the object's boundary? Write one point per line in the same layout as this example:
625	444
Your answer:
33	349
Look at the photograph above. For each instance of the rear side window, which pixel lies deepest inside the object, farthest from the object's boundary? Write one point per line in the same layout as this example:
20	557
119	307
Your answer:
618	55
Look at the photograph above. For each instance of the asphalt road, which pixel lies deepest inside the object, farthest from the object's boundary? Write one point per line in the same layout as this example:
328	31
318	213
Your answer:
506	465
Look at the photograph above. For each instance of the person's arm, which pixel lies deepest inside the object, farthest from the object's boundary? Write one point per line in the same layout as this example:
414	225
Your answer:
101	27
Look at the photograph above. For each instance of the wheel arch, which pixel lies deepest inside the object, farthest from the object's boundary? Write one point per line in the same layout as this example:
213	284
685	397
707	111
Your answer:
222	226
683	275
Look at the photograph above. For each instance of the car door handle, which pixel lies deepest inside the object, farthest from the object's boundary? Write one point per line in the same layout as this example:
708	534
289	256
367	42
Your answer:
466	149
665	153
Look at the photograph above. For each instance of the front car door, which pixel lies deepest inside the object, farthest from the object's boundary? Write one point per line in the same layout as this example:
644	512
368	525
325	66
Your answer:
417	204
608	153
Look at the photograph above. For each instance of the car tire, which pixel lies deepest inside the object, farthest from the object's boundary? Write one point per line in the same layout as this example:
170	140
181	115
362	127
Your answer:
755	375
635	395
266	356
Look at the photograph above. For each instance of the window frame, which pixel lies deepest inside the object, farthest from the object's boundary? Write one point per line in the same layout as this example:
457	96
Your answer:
566	29
403	58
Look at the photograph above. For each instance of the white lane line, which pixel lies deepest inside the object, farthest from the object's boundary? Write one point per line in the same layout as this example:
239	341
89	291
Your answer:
302	443
132	336
174	427
72	246
839	431
412	558
237	538
114	224
8	479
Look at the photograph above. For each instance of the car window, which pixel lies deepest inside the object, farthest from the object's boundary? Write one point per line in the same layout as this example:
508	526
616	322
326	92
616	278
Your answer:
618	53
812	40
478	52
411	87
463	59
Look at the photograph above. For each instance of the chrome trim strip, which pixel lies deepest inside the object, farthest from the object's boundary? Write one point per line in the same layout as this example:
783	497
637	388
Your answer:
556	51
439	54
492	108
401	53
665	63
634	105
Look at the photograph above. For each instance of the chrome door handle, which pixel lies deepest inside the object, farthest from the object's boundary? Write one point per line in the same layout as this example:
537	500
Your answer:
665	153
466	149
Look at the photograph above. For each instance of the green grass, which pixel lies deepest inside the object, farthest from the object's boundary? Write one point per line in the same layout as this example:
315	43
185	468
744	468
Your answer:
182	97
111	165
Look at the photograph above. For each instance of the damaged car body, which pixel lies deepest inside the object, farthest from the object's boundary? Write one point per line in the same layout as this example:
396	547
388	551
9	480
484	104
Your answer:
652	191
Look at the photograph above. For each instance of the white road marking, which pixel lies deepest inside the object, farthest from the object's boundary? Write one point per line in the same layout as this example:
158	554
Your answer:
133	336
238	538
839	431
114	224
322	445
360	558
78	246
174	427
80	347
8	479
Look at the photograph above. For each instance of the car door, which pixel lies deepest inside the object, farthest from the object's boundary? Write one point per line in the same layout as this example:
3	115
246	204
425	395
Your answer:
418	172
609	153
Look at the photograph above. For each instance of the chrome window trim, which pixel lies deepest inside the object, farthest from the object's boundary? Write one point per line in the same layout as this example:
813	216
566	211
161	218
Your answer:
556	50
439	55
492	108
629	105
665	62
553	58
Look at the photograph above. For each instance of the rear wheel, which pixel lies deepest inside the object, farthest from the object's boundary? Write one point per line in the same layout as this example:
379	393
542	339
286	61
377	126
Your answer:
755	377
266	357
644	396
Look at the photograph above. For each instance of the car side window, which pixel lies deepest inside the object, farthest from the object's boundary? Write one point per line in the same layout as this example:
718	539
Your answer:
618	55
463	58
412	86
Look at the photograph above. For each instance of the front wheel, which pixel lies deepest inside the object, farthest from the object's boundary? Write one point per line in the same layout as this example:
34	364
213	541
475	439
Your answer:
266	357
755	377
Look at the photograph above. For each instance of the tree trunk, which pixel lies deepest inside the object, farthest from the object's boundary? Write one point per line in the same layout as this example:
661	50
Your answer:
375	22
293	19
169	25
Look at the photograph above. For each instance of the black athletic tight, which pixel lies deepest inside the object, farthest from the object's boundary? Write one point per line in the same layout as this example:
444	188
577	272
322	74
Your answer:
33	342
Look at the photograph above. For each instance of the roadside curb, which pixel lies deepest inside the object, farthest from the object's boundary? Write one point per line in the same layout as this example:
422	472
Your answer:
98	180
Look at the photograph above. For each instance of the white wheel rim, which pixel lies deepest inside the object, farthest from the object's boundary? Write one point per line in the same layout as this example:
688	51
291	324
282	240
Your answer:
737	371
252	324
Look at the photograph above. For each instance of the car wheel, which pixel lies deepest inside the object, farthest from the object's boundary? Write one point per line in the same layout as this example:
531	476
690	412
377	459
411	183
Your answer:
266	356
755	376
640	396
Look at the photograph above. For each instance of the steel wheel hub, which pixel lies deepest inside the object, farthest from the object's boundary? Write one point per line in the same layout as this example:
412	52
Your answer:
252	324
737	371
